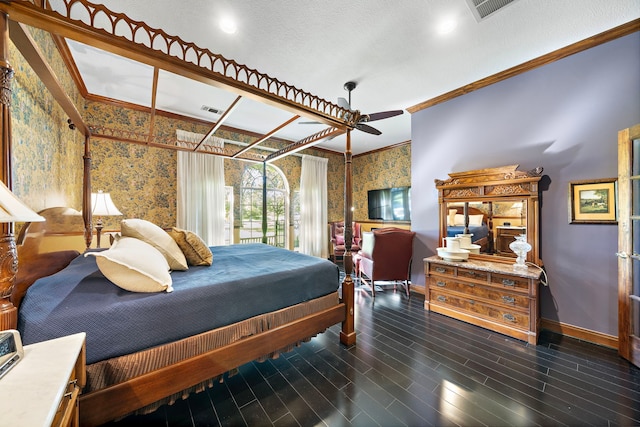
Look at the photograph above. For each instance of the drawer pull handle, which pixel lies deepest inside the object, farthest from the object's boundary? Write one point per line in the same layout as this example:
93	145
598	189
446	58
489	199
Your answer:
471	273
441	284
471	285
508	282
509	300
510	317
442	299
440	270
471	302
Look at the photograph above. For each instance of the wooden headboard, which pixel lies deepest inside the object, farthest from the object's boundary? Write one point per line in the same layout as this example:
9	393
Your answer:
44	248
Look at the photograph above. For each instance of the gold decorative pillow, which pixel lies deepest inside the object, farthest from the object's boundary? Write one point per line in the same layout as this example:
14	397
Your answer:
134	265
194	248
158	238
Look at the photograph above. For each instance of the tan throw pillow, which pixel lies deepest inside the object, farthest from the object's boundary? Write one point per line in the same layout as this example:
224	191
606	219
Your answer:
134	265
194	248
158	238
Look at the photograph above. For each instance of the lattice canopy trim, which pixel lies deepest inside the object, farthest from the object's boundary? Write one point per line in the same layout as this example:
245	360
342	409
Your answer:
98	19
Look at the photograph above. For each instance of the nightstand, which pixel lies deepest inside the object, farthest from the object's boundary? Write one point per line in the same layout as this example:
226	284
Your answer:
43	388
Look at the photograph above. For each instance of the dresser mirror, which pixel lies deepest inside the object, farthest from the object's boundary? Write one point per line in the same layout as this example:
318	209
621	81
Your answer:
493	206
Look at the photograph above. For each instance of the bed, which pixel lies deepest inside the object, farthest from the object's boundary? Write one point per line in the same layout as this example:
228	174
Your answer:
254	302
480	226
243	295
164	367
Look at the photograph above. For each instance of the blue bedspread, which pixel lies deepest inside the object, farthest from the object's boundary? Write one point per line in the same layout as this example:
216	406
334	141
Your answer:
478	231
244	281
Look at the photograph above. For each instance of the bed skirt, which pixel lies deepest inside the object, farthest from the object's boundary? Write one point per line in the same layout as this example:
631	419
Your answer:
116	370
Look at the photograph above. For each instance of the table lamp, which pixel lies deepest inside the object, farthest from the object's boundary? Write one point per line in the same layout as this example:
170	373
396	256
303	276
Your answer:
102	205
11	210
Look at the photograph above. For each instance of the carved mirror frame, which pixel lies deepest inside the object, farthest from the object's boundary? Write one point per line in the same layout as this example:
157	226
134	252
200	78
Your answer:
489	186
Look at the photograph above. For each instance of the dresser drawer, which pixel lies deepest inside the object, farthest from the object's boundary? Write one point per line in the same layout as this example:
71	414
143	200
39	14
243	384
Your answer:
465	273
492	295
513	283
442	269
496	313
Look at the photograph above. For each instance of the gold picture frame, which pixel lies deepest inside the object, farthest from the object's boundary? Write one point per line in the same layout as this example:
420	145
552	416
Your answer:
593	201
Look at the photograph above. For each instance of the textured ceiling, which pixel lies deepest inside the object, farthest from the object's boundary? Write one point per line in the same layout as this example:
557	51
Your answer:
391	49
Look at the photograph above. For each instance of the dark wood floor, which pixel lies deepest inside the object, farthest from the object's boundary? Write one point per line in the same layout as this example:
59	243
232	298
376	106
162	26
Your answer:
414	368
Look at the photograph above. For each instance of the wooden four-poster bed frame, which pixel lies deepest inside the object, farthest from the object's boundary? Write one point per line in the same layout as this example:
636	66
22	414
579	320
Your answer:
186	59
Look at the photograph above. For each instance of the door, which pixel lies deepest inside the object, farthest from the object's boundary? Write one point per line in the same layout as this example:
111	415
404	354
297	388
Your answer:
629	244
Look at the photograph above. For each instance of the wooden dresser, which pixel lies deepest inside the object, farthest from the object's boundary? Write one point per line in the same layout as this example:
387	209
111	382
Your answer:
490	294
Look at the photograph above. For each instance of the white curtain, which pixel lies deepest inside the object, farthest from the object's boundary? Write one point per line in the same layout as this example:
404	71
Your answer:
201	193
314	238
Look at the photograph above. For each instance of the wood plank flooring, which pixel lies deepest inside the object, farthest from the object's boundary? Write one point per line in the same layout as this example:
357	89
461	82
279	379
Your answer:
414	368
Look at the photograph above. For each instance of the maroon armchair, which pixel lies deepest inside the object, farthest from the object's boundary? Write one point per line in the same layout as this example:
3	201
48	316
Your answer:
387	258
337	240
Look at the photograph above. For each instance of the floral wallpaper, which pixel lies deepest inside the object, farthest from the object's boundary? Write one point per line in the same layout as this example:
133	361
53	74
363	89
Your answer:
48	165
46	154
380	169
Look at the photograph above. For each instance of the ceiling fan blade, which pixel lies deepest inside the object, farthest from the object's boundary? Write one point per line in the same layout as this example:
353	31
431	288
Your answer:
368	129
344	103
309	123
384	115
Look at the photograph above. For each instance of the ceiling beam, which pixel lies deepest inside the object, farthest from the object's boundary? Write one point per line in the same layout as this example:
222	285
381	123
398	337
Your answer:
220	121
267	136
22	39
316	138
154	93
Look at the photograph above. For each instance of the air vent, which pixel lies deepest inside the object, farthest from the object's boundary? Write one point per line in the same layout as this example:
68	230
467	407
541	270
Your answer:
211	110
482	9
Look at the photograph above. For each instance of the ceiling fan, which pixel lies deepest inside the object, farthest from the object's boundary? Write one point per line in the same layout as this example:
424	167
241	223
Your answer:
362	119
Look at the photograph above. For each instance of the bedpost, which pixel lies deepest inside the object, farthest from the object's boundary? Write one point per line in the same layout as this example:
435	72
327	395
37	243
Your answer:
348	334
8	253
86	192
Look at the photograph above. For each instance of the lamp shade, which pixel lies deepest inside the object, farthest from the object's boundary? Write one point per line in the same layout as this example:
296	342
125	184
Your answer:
13	210
102	205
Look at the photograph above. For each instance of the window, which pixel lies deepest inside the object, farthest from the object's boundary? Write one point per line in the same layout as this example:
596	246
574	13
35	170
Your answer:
251	206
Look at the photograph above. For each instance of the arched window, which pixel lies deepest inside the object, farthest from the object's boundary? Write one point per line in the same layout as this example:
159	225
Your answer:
277	206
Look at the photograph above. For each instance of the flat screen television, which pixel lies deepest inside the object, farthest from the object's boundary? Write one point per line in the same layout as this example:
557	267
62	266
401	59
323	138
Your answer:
390	204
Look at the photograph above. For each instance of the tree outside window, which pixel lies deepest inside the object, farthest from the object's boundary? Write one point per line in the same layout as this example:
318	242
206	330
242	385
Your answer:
251	206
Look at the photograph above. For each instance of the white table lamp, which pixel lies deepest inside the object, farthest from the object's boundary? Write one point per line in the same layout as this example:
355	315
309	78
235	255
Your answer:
102	205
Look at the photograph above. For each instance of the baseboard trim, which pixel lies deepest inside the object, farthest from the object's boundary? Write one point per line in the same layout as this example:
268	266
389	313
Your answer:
580	333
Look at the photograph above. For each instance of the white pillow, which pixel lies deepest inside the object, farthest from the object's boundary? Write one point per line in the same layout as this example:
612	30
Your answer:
451	219
475	220
134	265
158	238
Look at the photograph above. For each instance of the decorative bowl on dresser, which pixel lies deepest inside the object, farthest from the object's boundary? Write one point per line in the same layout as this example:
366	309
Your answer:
487	290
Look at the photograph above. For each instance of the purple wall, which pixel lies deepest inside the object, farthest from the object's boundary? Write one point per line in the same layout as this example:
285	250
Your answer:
564	117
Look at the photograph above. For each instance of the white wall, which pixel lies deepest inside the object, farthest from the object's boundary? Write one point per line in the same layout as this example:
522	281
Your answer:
564	117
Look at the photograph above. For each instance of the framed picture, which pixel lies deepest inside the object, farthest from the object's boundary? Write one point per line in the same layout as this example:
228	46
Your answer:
593	201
